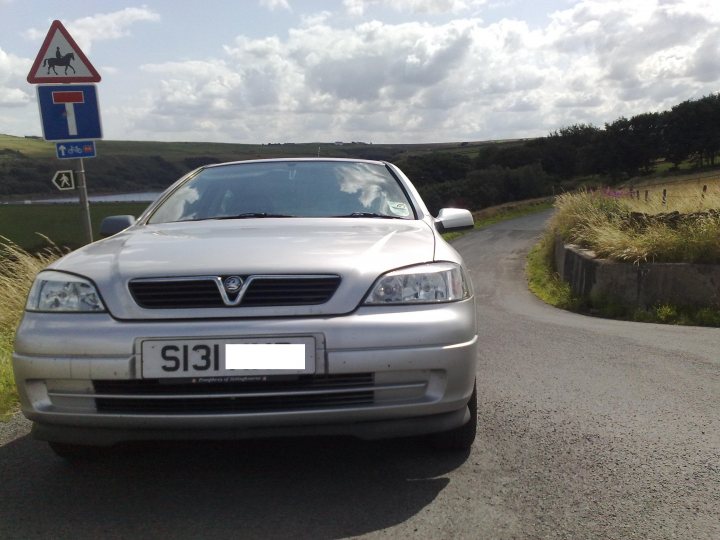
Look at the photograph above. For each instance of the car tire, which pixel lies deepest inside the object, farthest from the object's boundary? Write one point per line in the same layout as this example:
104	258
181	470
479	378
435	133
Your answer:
75	452
460	438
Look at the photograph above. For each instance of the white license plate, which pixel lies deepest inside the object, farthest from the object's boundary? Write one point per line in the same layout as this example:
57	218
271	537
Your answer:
164	358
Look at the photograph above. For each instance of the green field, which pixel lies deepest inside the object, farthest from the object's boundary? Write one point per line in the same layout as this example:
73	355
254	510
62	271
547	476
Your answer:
26	224
178	152
29	146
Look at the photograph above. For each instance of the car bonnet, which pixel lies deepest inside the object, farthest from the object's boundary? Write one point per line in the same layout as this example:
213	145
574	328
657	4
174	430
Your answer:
357	250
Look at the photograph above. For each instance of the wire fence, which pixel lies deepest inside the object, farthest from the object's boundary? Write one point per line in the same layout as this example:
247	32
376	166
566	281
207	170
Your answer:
700	189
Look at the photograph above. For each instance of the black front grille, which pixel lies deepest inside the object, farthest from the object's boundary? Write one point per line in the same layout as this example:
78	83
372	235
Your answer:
176	294
290	292
304	392
261	292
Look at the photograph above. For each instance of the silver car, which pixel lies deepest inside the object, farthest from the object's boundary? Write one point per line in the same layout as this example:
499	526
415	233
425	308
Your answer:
257	299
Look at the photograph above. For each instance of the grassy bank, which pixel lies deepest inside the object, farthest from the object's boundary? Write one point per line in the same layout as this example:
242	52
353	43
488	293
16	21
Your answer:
17	272
629	230
614	226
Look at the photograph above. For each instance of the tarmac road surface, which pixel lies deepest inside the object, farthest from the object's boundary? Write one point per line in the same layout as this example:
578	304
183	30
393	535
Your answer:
588	428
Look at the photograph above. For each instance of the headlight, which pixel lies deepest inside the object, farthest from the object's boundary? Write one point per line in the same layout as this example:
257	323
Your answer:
424	284
57	291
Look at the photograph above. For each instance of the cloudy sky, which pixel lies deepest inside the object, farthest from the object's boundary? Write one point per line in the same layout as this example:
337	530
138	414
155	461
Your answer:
259	71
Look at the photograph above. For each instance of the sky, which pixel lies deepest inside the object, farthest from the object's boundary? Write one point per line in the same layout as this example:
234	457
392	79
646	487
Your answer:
399	71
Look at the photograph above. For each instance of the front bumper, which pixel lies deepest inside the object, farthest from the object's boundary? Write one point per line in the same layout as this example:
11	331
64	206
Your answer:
380	372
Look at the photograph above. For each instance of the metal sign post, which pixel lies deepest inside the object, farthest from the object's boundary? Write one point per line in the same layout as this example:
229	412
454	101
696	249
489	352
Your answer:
84	204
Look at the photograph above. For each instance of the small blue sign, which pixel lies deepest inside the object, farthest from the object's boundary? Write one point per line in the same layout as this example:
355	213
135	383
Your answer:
75	149
69	112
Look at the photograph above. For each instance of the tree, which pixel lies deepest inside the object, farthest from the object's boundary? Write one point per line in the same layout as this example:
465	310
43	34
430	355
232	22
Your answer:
435	167
631	146
569	151
692	131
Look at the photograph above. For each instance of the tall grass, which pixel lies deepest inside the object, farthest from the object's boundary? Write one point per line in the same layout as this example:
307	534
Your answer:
606	225
17	271
543	281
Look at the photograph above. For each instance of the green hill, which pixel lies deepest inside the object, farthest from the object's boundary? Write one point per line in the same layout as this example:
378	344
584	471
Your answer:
28	163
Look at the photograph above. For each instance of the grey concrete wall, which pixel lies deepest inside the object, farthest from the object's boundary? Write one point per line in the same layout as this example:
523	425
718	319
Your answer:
644	285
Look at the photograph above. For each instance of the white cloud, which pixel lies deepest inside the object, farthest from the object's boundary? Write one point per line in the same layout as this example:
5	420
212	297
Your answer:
415	81
358	7
459	80
13	97
272	5
100	27
14	91
642	55
705	63
371	82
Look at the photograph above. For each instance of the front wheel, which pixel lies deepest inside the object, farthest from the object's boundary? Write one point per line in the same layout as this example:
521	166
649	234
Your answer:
460	438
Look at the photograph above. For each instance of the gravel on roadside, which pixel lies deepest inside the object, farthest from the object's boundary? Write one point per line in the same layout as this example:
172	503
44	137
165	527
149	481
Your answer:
13	428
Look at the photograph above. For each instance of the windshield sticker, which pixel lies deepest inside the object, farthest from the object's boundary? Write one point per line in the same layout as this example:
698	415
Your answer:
399	208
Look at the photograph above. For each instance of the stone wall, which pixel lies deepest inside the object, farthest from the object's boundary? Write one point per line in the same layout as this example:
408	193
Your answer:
645	285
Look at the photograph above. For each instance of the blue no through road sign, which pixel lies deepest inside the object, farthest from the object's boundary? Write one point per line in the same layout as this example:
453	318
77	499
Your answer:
69	112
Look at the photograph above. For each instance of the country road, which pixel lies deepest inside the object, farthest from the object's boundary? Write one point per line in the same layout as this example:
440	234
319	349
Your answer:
588	428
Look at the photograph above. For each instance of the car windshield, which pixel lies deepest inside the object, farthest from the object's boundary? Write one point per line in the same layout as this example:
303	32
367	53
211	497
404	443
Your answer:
287	189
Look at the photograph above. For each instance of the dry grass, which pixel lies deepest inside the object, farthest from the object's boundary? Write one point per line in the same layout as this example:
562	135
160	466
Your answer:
605	224
17	271
683	197
602	222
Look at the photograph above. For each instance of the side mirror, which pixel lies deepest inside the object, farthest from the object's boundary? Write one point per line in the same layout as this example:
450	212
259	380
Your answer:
454	219
114	224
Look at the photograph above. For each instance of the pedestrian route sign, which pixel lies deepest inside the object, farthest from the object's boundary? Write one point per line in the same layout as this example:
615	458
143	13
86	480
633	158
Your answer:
69	112
60	60
64	180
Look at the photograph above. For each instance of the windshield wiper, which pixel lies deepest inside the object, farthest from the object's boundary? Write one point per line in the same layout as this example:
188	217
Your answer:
370	215
250	215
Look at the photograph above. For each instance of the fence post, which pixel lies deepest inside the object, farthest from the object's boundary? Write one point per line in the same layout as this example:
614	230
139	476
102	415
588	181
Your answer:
646	195
704	191
664	199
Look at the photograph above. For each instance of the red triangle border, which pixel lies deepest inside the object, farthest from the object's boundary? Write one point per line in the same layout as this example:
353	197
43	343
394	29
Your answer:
57	26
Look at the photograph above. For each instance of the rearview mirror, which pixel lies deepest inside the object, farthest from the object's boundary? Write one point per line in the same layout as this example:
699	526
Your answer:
454	219
114	224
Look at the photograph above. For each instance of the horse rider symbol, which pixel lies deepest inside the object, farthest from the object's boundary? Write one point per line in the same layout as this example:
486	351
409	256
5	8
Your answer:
59	60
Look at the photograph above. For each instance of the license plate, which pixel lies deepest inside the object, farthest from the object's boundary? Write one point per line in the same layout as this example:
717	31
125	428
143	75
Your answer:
182	358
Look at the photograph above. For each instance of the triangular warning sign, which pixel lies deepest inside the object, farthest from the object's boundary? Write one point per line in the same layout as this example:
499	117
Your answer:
60	60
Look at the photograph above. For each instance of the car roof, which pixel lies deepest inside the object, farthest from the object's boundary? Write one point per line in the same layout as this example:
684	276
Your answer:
295	160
